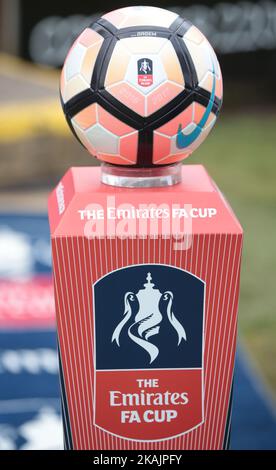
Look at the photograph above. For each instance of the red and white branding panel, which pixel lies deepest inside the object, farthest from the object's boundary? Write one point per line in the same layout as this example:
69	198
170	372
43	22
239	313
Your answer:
136	406
148	351
147	328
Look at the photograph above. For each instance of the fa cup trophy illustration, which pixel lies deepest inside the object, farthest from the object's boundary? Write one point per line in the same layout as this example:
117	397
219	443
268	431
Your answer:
146	251
148	317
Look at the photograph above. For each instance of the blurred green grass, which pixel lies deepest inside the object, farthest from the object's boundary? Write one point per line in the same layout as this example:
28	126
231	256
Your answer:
240	155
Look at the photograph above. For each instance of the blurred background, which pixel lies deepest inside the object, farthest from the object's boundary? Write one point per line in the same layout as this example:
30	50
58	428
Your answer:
36	148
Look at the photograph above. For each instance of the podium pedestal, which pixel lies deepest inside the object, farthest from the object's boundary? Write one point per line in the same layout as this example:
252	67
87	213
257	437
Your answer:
146	293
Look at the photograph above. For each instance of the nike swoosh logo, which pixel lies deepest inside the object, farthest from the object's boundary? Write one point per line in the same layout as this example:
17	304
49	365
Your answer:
182	140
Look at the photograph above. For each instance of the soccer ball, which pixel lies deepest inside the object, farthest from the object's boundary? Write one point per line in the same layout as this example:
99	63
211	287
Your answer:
141	86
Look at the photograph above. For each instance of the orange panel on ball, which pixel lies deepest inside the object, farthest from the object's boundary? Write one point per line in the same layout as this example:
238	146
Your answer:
194	35
114	159
129	146
161	147
87	117
171	64
219	88
84	141
161	96
89	37
128	96
199	110
172	159
113	124
73	87
207	82
89	60
184	118
210	120
118	65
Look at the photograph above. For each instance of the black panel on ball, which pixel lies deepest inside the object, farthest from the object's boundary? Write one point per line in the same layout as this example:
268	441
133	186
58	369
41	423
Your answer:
102	61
